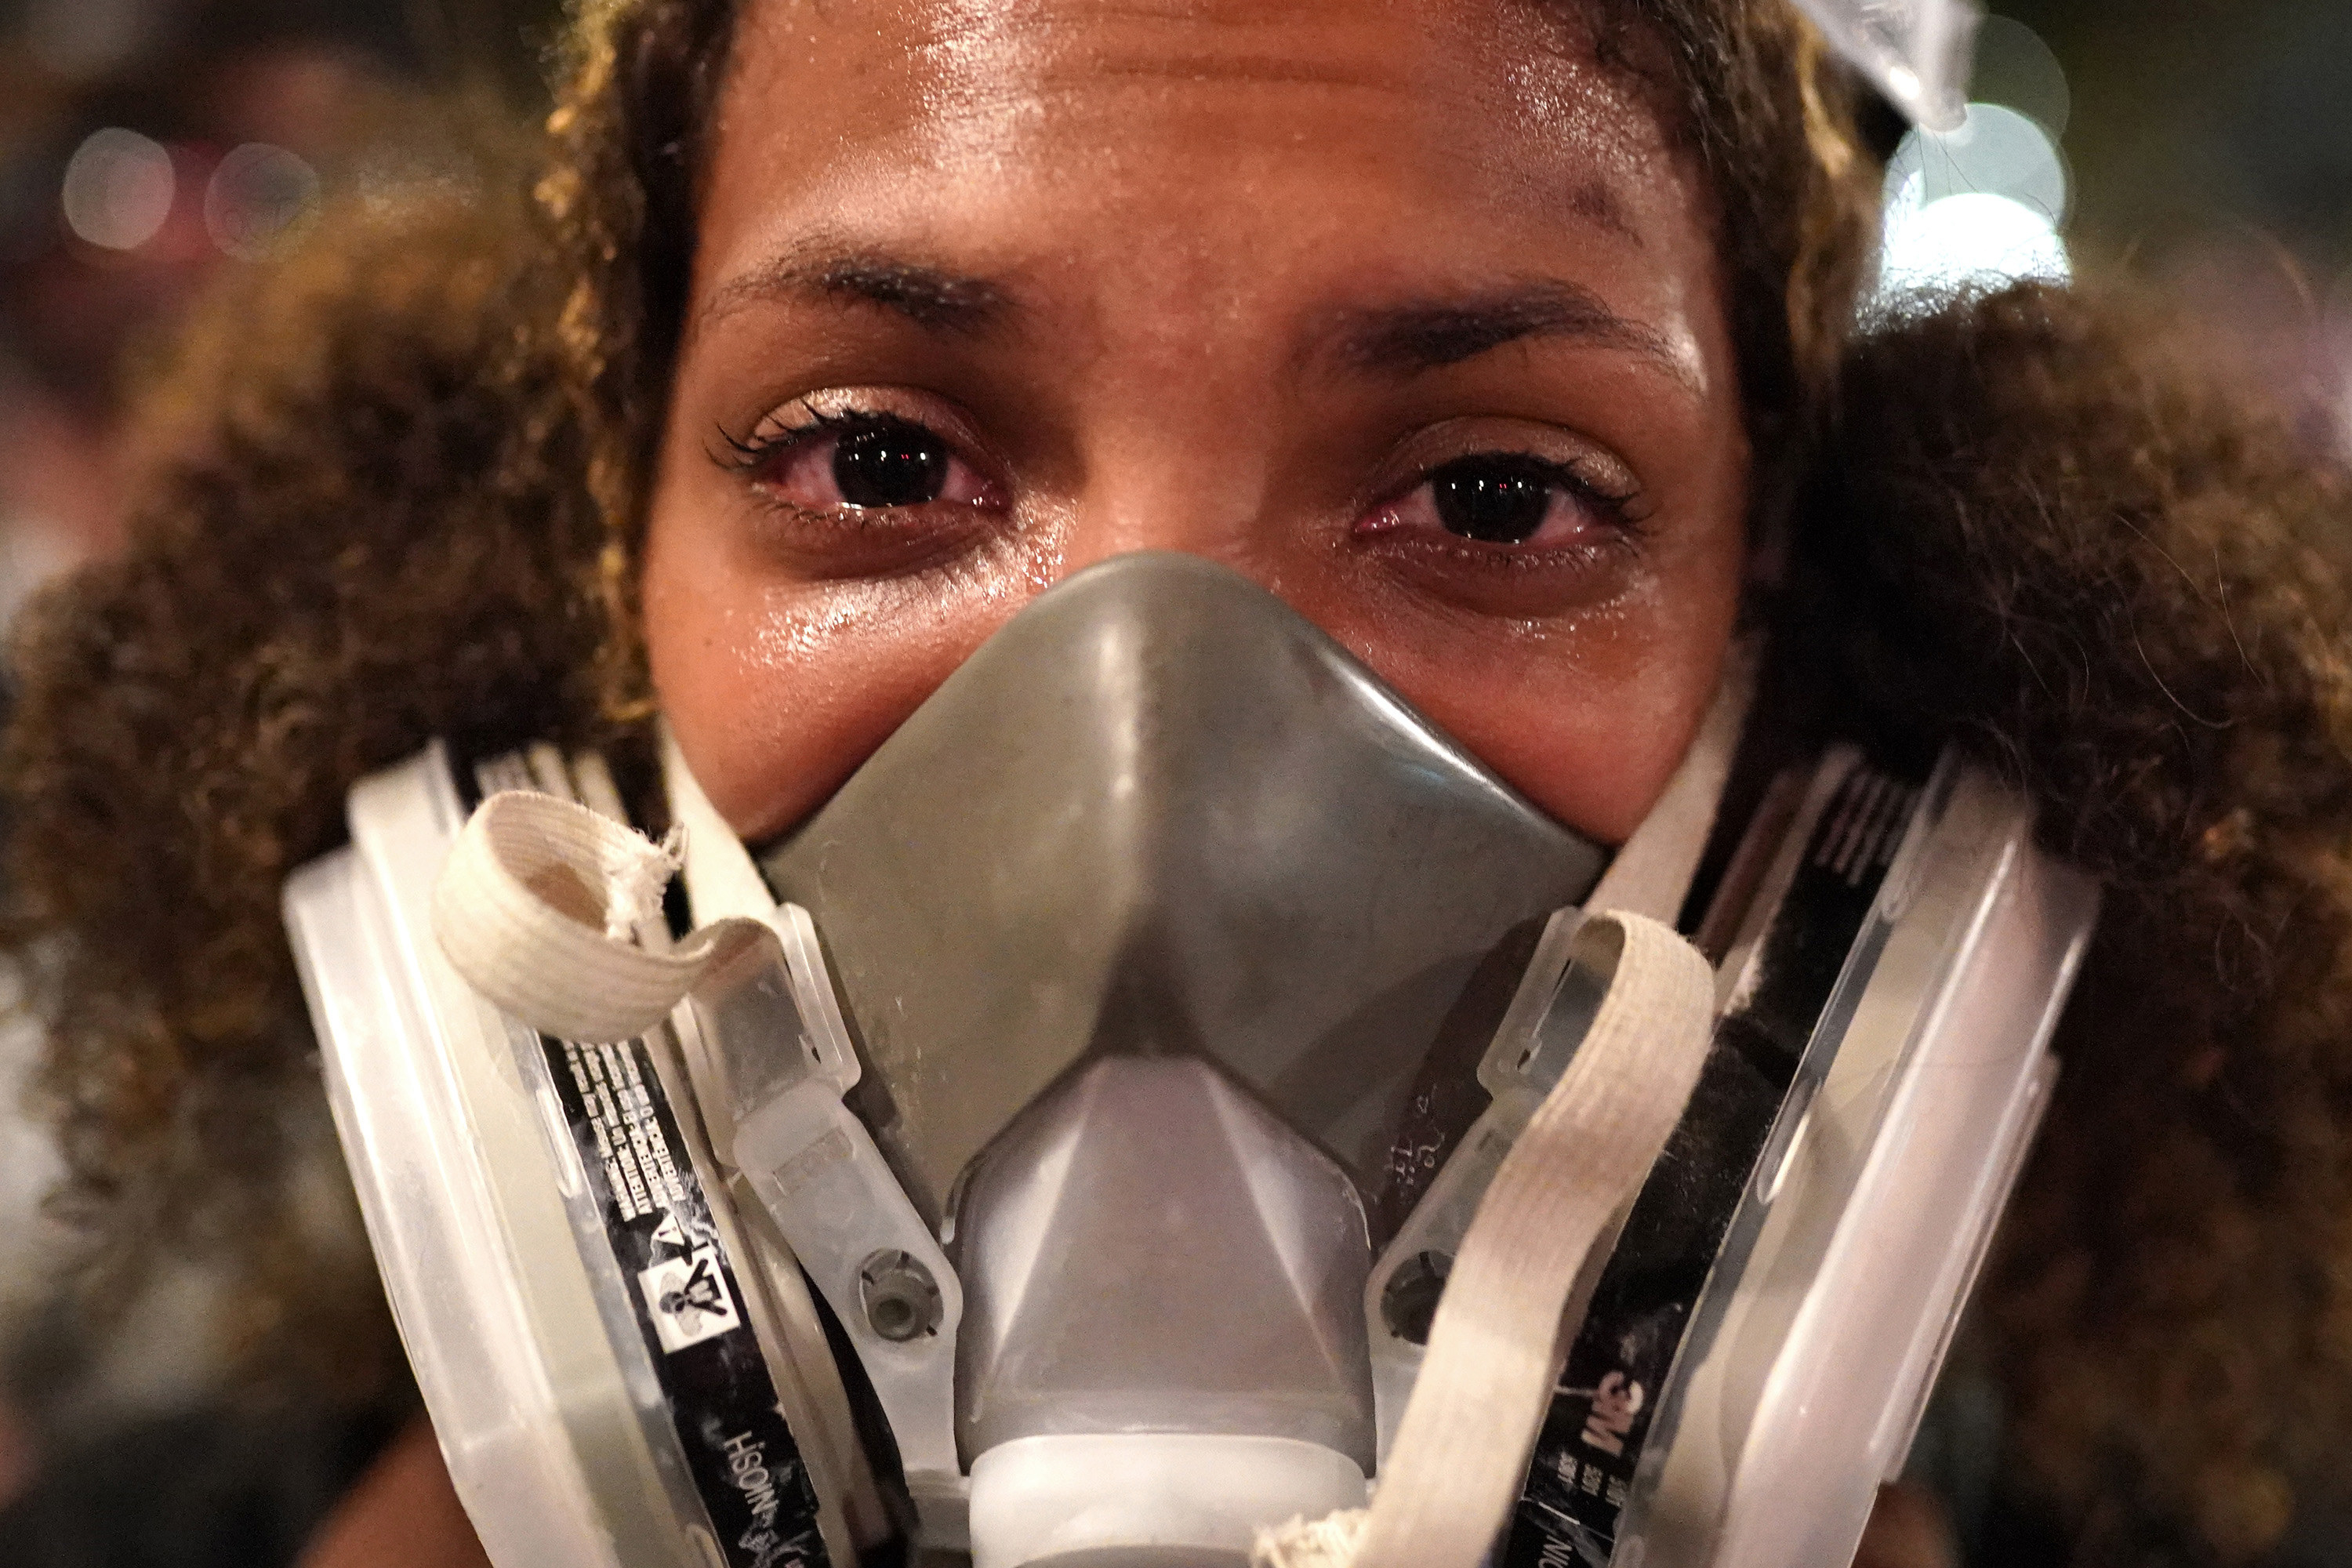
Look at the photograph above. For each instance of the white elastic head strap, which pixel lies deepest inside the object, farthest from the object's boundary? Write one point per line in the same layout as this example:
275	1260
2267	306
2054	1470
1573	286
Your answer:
540	902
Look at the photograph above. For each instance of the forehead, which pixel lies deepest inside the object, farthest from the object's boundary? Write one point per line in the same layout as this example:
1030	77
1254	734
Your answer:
1501	105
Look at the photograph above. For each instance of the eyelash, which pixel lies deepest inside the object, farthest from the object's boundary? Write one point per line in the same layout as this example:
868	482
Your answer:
748	452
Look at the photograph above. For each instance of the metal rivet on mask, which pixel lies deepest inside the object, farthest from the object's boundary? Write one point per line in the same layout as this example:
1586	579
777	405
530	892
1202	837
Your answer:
900	1298
1410	1300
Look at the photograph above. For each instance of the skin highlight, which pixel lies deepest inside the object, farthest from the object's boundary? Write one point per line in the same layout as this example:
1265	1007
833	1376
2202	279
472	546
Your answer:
1207	279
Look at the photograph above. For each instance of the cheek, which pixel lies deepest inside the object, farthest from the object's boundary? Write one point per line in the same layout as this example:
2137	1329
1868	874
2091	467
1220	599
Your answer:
775	691
1590	735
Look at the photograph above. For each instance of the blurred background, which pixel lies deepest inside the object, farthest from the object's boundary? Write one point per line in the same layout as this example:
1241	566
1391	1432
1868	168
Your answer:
147	145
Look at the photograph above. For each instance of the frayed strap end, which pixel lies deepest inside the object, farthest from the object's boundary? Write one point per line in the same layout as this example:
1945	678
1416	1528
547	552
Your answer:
638	874
1326	1542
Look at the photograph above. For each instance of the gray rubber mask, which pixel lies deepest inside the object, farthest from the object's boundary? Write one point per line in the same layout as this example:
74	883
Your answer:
1170	939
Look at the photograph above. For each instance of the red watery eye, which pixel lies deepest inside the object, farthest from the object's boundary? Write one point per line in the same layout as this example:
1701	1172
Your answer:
873	463
1495	499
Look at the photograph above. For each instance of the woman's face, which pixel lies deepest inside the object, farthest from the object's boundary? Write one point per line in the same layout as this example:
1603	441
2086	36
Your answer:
1409	311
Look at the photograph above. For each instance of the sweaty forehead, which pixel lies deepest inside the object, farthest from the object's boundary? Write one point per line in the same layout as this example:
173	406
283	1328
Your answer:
1507	95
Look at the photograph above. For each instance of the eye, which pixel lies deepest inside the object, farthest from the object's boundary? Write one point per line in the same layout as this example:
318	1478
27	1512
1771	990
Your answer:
1503	499
1496	501
861	461
889	463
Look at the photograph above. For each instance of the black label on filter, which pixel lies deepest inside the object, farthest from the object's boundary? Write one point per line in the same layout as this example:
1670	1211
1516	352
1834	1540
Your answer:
683	1293
1593	1434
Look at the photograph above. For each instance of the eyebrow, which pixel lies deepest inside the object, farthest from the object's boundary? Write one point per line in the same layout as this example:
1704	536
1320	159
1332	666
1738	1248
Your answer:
930	297
1399	340
1412	336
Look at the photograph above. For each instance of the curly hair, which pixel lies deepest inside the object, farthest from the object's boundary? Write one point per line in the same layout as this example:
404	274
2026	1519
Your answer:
398	492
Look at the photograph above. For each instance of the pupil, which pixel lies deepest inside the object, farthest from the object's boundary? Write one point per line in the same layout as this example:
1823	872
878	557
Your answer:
892	463
1492	500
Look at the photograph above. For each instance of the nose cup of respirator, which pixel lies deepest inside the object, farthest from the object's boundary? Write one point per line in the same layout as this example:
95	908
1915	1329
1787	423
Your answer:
1171	940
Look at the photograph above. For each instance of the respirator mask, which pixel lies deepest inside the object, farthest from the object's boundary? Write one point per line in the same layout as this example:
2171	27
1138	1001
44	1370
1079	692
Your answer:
1169	1098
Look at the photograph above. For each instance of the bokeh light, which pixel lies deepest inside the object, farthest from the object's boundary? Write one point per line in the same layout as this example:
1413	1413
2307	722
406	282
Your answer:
1986	202
118	189
2014	67
259	197
1972	240
1996	151
1975	207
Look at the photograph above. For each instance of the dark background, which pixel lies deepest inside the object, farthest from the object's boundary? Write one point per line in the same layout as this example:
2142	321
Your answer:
2188	115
